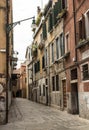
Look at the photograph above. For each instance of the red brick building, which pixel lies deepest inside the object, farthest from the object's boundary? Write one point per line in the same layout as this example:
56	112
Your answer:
76	30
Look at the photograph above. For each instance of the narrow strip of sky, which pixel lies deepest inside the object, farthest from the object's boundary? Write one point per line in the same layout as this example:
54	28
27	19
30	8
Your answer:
23	9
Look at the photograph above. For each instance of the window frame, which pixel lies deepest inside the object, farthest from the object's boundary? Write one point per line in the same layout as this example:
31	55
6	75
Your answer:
87	21
57	48
67	42
87	78
62	45
52	52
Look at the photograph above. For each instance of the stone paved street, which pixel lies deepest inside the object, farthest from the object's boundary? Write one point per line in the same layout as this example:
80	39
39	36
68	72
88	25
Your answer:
27	115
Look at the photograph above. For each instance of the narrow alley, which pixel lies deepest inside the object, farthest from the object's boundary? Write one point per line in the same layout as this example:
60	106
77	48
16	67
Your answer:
27	115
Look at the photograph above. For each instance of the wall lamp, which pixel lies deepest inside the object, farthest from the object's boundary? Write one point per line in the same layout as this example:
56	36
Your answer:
12	25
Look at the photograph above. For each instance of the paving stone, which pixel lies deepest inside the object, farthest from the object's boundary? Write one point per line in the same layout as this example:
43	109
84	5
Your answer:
27	115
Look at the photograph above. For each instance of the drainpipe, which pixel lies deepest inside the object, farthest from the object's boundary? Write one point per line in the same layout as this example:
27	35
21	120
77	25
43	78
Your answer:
7	58
49	87
74	12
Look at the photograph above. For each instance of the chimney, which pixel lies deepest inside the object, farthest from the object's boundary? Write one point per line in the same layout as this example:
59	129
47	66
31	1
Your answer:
38	10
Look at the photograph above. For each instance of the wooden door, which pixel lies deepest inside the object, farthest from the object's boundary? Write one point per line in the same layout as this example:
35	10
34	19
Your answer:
64	94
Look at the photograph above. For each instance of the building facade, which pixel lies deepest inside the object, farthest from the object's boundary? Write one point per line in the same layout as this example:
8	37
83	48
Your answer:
29	72
49	74
60	64
23	80
6	49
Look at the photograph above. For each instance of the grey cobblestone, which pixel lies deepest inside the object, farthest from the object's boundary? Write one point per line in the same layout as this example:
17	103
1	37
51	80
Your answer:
27	115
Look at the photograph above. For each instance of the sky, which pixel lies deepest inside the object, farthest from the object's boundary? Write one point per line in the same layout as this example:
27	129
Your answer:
23	9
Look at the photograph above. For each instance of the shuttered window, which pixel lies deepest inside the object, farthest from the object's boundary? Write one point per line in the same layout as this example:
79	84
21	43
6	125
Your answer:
44	31
50	22
55	13
59	5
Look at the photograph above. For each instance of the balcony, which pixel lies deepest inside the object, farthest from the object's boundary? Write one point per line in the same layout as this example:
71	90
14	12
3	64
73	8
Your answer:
62	14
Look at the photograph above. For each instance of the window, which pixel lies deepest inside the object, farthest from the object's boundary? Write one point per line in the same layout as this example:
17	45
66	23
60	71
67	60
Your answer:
46	57
43	90
82	34
62	47
43	62
87	24
85	72
40	90
37	67
73	74
53	83
46	81
66	43
57	48
52	50
57	83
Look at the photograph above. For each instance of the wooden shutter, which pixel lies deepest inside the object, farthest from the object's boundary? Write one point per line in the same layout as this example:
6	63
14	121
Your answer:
50	20
53	15
44	31
59	5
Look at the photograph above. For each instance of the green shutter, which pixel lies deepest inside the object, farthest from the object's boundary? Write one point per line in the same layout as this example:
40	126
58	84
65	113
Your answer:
54	18
44	31
56	10
50	23
59	5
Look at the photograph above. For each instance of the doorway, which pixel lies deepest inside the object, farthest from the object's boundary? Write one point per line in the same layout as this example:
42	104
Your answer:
74	98
64	94
47	96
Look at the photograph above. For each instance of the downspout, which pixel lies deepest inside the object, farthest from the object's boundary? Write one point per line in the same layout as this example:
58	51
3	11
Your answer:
49	87
74	12
76	58
7	58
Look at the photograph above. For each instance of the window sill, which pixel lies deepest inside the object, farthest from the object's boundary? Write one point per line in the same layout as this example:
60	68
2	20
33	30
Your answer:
83	43
62	57
85	80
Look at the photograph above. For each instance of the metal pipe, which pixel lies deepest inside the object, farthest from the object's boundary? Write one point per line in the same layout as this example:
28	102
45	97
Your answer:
74	12
7	57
